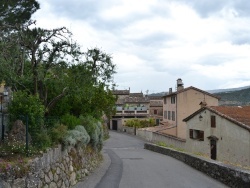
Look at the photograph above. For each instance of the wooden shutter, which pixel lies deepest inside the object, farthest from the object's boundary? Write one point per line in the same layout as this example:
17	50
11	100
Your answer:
190	133
201	135
213	121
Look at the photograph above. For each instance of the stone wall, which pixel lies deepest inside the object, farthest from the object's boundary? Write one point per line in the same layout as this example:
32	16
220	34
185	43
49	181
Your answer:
158	137
227	174
57	168
129	130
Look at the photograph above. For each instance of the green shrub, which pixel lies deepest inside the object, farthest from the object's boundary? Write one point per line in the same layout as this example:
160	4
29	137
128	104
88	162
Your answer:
57	133
94	129
140	123
76	137
70	121
42	140
28	106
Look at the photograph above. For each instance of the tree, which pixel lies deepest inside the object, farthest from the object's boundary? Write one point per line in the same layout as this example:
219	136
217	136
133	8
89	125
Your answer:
13	13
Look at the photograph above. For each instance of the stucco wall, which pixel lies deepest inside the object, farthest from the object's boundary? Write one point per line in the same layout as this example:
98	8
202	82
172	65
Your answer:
187	103
233	145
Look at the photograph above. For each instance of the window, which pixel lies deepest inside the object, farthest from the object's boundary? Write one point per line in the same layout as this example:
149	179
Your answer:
165	100
196	134
165	114
155	111
213	121
169	115
173	115
173	100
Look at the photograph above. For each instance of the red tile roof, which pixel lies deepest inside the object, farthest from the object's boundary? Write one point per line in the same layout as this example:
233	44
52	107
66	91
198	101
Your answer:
191	87
239	115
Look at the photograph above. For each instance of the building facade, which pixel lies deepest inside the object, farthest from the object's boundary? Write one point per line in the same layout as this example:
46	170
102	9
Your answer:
221	133
129	106
183	102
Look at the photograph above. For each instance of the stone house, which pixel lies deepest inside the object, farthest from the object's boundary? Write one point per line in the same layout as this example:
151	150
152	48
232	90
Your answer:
181	103
221	133
129	106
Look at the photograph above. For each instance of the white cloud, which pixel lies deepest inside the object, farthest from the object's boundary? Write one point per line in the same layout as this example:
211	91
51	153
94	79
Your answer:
155	42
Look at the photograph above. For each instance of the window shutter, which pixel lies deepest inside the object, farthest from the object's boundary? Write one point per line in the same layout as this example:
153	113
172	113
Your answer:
191	133
201	136
213	121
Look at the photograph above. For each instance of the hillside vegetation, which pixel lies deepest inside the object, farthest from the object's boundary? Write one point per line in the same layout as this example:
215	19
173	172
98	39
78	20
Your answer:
235	98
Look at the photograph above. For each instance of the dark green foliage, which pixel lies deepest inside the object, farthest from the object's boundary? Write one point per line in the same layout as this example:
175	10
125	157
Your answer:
50	75
235	98
17	12
24	104
42	140
57	133
70	121
140	123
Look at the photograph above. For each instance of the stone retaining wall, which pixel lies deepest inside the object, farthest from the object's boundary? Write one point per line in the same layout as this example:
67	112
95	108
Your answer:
227	174
159	137
57	168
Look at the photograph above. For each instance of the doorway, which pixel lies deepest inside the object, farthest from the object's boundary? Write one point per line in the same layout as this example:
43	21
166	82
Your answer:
114	125
213	149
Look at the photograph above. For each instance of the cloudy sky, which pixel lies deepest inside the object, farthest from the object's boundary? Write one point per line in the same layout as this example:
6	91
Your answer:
155	42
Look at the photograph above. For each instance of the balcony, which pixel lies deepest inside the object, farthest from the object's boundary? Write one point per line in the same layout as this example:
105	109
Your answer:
132	111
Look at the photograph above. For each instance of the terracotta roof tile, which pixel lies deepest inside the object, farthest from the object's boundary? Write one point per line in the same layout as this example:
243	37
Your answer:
238	113
191	87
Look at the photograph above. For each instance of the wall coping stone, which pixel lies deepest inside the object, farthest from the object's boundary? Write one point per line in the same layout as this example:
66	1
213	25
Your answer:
227	174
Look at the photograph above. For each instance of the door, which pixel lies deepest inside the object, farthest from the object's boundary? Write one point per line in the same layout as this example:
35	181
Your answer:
114	125
213	149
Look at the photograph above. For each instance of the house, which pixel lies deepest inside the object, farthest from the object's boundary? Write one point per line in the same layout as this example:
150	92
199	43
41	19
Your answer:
156	108
221	133
129	106
181	103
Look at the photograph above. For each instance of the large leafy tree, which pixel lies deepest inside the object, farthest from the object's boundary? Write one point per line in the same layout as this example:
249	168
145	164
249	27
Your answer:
47	64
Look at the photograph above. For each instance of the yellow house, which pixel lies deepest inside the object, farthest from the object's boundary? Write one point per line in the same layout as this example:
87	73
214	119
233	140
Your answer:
181	103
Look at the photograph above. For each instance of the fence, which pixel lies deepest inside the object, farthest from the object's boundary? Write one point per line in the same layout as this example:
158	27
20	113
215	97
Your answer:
25	130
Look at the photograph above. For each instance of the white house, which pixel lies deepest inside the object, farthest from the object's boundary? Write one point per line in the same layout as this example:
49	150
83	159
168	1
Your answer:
221	133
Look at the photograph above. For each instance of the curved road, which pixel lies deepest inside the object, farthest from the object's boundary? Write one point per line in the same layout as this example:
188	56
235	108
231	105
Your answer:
131	166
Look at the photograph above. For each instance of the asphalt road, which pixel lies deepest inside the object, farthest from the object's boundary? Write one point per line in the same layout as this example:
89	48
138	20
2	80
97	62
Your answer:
128	165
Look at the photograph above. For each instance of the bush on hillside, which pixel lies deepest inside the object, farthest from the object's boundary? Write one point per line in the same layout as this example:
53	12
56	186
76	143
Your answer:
70	121
95	131
77	137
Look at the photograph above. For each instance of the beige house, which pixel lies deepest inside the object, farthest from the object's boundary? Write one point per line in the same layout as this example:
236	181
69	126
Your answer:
181	103
220	132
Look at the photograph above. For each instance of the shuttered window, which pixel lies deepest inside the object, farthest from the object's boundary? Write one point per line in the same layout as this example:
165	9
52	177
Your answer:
213	121
196	134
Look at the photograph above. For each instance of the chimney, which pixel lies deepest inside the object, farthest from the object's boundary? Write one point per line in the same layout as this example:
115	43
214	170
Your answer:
170	91
180	85
203	104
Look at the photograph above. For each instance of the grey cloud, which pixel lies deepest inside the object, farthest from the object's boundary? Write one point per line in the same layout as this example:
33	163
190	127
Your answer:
208	7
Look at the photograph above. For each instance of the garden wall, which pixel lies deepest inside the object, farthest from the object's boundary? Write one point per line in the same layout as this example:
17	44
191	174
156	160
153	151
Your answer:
56	168
158	137
229	175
